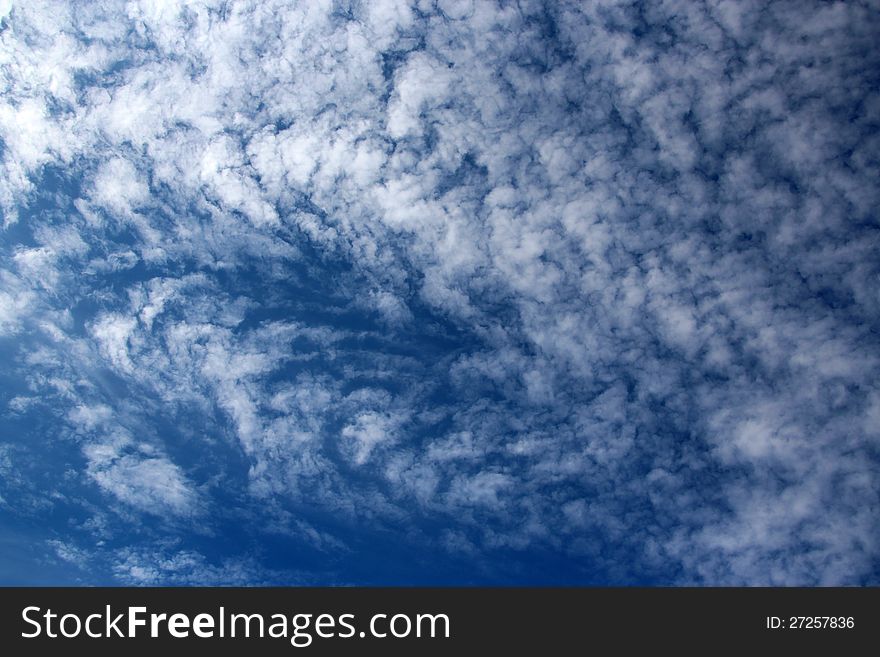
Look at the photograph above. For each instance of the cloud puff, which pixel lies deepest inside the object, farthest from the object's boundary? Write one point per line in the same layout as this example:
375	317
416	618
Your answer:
143	480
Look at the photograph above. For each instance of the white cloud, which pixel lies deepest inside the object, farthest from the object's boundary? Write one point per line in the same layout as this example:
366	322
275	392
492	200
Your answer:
368	431
113	332
140	477
119	187
15	304
602	261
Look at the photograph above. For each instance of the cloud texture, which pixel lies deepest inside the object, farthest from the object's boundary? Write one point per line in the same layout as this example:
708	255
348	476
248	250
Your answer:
441	292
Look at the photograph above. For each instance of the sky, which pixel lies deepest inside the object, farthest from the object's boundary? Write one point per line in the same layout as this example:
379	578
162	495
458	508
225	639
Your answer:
439	293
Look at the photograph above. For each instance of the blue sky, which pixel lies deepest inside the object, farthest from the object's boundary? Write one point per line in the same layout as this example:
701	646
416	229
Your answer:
442	292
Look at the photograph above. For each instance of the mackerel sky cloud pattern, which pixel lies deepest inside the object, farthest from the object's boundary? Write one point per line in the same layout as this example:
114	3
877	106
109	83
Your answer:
439	292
